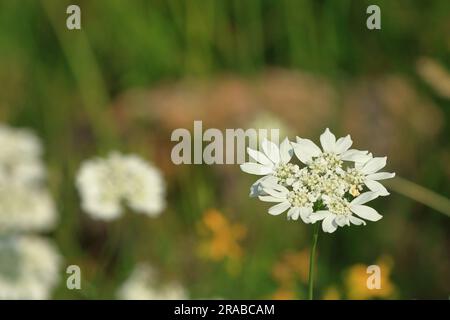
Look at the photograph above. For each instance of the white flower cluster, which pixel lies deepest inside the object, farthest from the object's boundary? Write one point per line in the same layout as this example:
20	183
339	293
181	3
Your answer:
28	264
142	285
107	183
29	267
25	202
331	184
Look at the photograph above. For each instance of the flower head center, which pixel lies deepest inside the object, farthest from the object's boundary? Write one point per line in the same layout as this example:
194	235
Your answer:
299	197
339	206
285	172
325	162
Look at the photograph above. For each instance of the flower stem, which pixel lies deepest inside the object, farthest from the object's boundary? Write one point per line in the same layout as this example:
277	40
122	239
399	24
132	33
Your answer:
312	259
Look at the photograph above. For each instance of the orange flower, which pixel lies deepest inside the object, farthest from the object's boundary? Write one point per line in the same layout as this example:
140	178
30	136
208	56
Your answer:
221	238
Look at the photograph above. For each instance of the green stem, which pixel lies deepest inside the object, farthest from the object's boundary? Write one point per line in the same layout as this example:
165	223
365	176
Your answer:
311	261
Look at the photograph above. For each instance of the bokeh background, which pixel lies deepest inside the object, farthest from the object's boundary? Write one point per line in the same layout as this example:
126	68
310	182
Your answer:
140	69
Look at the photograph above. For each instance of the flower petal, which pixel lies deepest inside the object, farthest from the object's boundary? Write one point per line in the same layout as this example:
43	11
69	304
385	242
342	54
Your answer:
376	187
357	221
293	213
366	212
255	168
374	164
364	198
286	151
343	144
271	150
356	156
319	215
279	208
381	176
275	189
328	141
341	220
260	157
328	224
305	213
257	188
271	199
305	149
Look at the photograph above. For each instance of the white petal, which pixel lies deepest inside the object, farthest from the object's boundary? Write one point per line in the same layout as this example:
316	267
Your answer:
355	156
328	141
341	220
305	214
381	176
328	224
286	151
319	215
373	165
279	208
260	157
257	188
305	149
293	213
271	199
255	168
366	212
357	221
376	187
275	190
343	144
271	150
364	198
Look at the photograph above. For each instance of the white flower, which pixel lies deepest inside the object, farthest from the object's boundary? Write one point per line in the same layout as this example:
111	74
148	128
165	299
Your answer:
367	174
106	183
25	203
340	212
299	201
20	155
28	268
142	285
25	208
327	188
272	163
334	151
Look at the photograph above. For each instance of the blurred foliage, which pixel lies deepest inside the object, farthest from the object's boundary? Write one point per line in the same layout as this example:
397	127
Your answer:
139	69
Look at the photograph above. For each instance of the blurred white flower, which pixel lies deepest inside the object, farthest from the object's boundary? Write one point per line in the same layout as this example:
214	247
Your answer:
29	267
25	203
142	285
24	208
331	186
20	156
107	183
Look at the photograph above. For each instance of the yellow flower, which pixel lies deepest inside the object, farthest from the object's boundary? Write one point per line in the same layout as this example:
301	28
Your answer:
357	278
221	238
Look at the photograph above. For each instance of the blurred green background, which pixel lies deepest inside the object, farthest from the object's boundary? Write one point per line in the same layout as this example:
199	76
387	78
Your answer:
139	69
